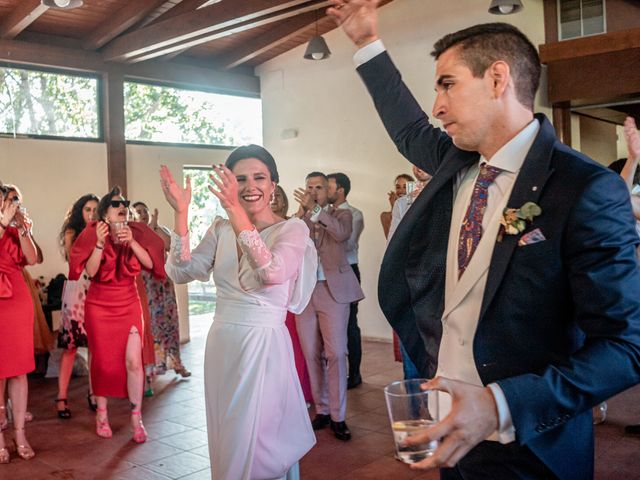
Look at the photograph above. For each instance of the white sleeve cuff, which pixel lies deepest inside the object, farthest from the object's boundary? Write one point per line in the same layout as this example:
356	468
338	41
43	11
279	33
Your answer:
506	431
315	217
367	52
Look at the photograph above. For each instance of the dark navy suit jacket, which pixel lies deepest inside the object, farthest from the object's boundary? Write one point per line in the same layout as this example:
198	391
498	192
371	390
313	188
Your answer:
559	328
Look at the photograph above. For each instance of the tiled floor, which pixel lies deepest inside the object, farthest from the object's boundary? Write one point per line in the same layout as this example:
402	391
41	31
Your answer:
70	450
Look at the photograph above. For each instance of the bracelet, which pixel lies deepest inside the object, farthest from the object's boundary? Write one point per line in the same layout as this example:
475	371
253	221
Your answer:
25	232
99	247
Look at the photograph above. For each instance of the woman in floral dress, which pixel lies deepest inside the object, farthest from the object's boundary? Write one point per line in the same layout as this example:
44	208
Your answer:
162	305
72	333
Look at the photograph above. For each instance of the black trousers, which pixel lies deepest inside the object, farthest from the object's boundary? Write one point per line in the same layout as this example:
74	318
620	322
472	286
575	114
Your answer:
354	344
494	461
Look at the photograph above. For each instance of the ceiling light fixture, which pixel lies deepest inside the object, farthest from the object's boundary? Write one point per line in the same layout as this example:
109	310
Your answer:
62	4
317	49
505	7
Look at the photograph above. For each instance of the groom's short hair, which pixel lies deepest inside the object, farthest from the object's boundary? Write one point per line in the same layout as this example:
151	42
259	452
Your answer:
484	44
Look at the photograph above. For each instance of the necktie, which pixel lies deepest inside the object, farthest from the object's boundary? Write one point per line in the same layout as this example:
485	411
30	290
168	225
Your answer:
471	228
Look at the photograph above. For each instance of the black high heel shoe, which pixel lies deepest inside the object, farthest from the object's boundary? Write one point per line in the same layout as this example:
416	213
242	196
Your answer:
66	413
92	404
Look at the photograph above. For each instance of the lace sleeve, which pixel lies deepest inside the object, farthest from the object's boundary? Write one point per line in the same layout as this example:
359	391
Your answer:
280	262
184	265
253	246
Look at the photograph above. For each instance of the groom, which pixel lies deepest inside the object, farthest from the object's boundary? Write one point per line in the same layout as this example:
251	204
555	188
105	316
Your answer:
513	278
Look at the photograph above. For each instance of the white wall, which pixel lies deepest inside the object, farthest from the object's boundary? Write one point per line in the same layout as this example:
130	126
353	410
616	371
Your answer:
337	124
598	140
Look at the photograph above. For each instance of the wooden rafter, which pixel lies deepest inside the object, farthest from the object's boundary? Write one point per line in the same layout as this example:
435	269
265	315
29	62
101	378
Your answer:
268	40
125	18
185	6
204	25
21	17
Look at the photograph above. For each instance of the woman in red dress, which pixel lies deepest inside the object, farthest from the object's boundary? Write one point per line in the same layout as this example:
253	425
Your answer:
113	252
17	249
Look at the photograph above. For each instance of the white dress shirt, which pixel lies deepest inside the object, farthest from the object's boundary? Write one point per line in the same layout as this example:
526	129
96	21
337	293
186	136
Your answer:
456	359
357	222
400	208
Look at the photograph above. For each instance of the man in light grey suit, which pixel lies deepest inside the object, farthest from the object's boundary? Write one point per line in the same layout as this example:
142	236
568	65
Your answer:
322	326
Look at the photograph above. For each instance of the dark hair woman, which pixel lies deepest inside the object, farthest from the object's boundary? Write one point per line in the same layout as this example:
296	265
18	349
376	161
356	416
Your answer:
113	251
72	333
263	265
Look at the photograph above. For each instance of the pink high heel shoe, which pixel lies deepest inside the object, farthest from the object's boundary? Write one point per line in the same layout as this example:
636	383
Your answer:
139	432
103	429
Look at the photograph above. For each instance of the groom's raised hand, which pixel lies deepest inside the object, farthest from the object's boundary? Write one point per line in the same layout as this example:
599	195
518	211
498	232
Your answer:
358	18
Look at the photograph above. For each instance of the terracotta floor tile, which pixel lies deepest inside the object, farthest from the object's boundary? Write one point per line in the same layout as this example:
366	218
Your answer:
179	465
175	419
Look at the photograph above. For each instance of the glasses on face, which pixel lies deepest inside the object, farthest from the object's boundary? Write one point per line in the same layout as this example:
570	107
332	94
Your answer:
117	203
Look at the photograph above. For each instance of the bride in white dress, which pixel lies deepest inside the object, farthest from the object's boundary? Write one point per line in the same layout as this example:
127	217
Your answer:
262	265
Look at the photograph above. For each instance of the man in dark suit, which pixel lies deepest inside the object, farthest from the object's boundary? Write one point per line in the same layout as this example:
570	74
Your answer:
513	278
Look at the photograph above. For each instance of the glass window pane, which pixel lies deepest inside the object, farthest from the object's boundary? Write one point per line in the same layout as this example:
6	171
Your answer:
163	114
44	103
592	17
570	22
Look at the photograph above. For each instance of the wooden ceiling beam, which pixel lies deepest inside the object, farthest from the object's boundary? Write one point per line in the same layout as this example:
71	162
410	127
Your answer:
21	17
204	25
185	6
273	38
123	19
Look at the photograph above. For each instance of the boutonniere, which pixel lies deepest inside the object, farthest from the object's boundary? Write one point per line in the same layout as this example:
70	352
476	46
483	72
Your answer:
514	220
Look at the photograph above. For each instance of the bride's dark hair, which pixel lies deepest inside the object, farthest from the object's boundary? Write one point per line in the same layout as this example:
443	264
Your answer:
257	152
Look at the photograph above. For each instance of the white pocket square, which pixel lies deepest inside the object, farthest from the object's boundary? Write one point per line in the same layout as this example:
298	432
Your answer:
534	236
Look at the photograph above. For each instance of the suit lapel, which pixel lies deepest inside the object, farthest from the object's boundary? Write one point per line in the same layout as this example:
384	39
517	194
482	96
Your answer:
528	187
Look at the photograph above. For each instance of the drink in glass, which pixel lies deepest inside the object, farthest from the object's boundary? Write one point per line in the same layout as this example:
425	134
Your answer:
411	412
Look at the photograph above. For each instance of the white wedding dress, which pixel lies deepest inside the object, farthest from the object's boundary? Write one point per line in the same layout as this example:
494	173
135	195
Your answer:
257	420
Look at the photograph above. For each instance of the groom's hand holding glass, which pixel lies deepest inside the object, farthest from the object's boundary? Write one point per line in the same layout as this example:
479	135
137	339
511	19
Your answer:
473	417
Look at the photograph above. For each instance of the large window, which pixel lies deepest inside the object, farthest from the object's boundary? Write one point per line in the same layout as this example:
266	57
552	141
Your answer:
156	113
38	103
580	18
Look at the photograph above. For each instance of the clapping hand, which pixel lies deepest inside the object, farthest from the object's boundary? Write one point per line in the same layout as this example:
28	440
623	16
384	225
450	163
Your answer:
8	212
102	230
178	197
358	19
226	187
632	137
304	198
392	198
473	417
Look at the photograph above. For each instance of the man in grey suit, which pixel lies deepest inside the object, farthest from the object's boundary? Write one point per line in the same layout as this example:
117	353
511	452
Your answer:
322	326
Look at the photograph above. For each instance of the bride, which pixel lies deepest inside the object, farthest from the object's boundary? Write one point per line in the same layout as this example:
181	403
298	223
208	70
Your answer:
262	265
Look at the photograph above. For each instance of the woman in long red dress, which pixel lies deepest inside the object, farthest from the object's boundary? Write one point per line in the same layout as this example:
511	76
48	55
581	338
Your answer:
113	252
17	249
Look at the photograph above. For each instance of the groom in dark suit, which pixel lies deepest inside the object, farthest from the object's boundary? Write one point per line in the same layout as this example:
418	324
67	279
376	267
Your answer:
513	278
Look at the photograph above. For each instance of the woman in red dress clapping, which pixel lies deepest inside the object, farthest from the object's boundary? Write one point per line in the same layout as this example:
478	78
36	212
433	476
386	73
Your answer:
17	249
113	251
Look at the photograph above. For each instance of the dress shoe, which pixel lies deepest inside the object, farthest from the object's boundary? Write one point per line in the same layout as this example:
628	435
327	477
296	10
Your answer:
354	381
321	421
340	430
91	400
139	432
24	450
632	429
103	429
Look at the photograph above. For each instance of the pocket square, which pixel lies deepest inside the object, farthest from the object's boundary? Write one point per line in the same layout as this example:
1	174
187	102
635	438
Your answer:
534	236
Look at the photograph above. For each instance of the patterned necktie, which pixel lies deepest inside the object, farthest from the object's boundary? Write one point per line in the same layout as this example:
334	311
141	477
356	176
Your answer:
471	228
